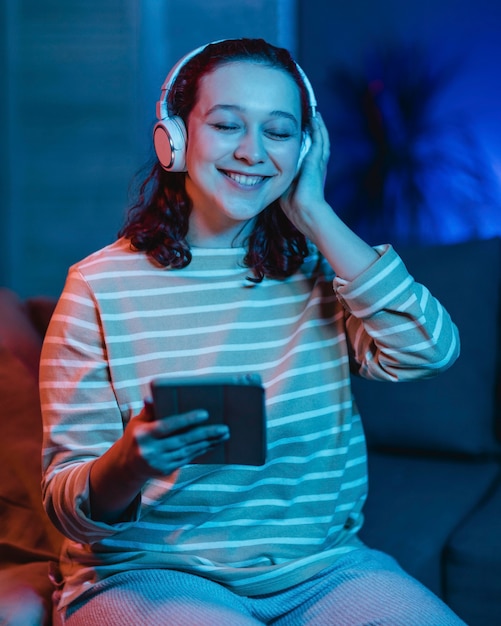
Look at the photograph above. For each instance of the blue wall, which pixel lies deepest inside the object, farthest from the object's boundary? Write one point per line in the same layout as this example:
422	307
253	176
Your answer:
462	203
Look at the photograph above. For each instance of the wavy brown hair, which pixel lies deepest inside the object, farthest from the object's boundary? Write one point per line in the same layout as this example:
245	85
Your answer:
158	221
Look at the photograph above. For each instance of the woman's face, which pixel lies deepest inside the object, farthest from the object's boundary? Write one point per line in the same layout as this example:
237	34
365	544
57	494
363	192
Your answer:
244	139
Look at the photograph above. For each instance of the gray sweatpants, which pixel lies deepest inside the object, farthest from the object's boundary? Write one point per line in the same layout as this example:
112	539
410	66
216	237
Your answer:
364	587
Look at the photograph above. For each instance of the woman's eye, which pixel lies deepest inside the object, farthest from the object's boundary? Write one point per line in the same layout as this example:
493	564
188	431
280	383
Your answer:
279	135
224	127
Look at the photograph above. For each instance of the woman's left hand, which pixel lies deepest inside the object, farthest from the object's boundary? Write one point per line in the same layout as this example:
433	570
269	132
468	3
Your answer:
304	201
305	205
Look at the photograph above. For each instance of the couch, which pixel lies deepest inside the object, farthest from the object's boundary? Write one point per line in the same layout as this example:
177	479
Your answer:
434	450
28	540
435	447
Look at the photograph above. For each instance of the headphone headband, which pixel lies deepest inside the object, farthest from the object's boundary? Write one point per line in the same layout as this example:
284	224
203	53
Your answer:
162	109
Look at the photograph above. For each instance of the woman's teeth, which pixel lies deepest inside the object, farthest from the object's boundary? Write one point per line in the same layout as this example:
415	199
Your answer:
242	179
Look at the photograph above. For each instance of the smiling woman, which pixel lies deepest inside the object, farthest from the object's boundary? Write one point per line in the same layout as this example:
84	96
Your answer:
231	263
275	248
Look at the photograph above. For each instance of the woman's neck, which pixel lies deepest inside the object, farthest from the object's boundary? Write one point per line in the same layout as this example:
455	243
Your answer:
202	235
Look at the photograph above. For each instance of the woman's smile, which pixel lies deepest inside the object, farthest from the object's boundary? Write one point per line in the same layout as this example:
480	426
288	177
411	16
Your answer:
245	181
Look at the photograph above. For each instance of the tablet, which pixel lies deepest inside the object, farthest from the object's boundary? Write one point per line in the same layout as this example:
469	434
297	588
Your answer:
237	401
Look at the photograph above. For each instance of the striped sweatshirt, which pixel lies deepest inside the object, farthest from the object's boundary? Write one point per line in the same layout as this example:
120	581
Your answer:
123	321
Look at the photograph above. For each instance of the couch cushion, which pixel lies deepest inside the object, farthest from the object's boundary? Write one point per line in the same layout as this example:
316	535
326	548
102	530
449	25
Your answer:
40	310
415	504
17	332
456	411
473	570
25	531
25	595
28	540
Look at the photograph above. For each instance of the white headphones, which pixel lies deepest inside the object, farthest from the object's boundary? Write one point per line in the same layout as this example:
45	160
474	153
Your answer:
169	133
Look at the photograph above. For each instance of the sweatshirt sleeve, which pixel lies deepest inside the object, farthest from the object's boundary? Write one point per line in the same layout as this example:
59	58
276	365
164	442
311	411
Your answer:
80	413
396	329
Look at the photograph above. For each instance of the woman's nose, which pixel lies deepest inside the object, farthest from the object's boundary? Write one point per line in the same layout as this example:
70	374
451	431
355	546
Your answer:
250	148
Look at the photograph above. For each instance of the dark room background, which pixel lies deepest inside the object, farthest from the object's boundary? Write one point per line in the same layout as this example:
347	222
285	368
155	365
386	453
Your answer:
410	89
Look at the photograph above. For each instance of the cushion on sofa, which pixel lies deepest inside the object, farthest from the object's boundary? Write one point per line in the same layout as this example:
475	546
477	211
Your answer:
456	411
40	310
17	332
415	504
473	571
26	533
25	595
28	540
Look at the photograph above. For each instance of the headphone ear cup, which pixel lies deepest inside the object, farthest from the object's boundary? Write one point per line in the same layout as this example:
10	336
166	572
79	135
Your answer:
169	139
305	146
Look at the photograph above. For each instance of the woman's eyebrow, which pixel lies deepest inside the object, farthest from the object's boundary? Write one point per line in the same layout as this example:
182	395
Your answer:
285	114
225	107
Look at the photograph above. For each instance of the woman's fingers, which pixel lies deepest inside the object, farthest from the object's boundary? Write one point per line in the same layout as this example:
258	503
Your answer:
168	443
171	424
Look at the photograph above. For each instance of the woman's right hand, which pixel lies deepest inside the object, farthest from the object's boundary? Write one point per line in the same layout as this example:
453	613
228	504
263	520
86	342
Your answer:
150	447
160	446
